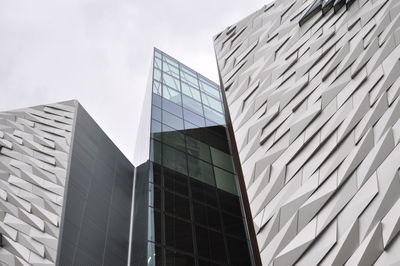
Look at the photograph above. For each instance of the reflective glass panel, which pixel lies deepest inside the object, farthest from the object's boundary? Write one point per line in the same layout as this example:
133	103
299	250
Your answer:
172	120
172	95
174	159
192	105
222	159
171	82
225	180
201	170
190	91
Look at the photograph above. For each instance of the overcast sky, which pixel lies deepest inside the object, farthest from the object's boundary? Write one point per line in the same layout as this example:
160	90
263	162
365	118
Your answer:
98	52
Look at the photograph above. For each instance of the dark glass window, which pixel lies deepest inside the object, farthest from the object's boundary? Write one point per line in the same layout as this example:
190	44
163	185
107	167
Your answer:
156	130
222	159
225	180
178	234
229	203
174	159
174	258
176	182
203	192
173	138
207	216
198	149
238	252
233	225
177	205
201	170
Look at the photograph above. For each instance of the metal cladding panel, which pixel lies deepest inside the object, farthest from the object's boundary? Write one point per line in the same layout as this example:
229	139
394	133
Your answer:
35	146
315	111
96	222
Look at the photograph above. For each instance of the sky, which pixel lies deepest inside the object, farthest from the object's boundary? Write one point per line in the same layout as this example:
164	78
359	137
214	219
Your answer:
99	52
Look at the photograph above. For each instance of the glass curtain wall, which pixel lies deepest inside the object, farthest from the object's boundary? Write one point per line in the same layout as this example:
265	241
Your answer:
195	211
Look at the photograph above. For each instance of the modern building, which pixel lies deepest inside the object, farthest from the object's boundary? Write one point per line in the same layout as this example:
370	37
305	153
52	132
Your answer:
65	189
313	91
292	160
189	207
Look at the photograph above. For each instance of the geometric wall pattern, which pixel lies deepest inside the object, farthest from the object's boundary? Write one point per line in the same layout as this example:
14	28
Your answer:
315	111
34	157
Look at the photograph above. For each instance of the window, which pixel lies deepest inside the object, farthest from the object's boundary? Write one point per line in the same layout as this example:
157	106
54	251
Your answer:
171	82
172	120
190	91
211	102
194	118
214	115
172	95
200	170
157	87
156	113
192	105
225	180
221	159
172	108
198	149
209	89
156	130
173	138
174	159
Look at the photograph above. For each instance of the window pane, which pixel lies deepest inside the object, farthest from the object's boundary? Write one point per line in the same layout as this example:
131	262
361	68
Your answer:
157	74
190	91
172	70
172	120
211	102
198	149
201	170
172	95
155	151
171	61
157	100
157	62
194	118
192	105
214	115
172	107
157	87
156	130
208	88
221	159
191	80
177	205
156	113
176	182
178	234
173	138
225	180
171	82
174	159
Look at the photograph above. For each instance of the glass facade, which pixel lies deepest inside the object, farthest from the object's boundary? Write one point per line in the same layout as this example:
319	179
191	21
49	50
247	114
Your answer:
194	211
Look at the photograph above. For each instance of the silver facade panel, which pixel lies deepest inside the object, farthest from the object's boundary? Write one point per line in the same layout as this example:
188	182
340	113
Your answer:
315	110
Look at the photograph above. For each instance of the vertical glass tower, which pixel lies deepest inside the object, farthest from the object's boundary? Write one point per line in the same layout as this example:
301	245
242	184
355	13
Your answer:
188	207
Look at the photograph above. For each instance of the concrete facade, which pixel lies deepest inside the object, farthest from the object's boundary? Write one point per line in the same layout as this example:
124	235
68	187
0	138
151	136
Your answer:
315	111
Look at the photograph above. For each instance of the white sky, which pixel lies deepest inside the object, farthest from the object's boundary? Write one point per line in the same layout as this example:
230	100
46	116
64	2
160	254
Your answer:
98	52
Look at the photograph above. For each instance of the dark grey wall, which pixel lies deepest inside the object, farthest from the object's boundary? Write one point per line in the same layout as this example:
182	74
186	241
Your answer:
96	223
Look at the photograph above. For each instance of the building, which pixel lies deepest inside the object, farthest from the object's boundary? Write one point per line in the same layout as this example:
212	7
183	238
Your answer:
65	189
188	207
313	92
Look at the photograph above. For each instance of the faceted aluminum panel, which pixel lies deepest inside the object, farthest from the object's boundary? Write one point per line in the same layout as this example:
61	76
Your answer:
34	157
315	110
